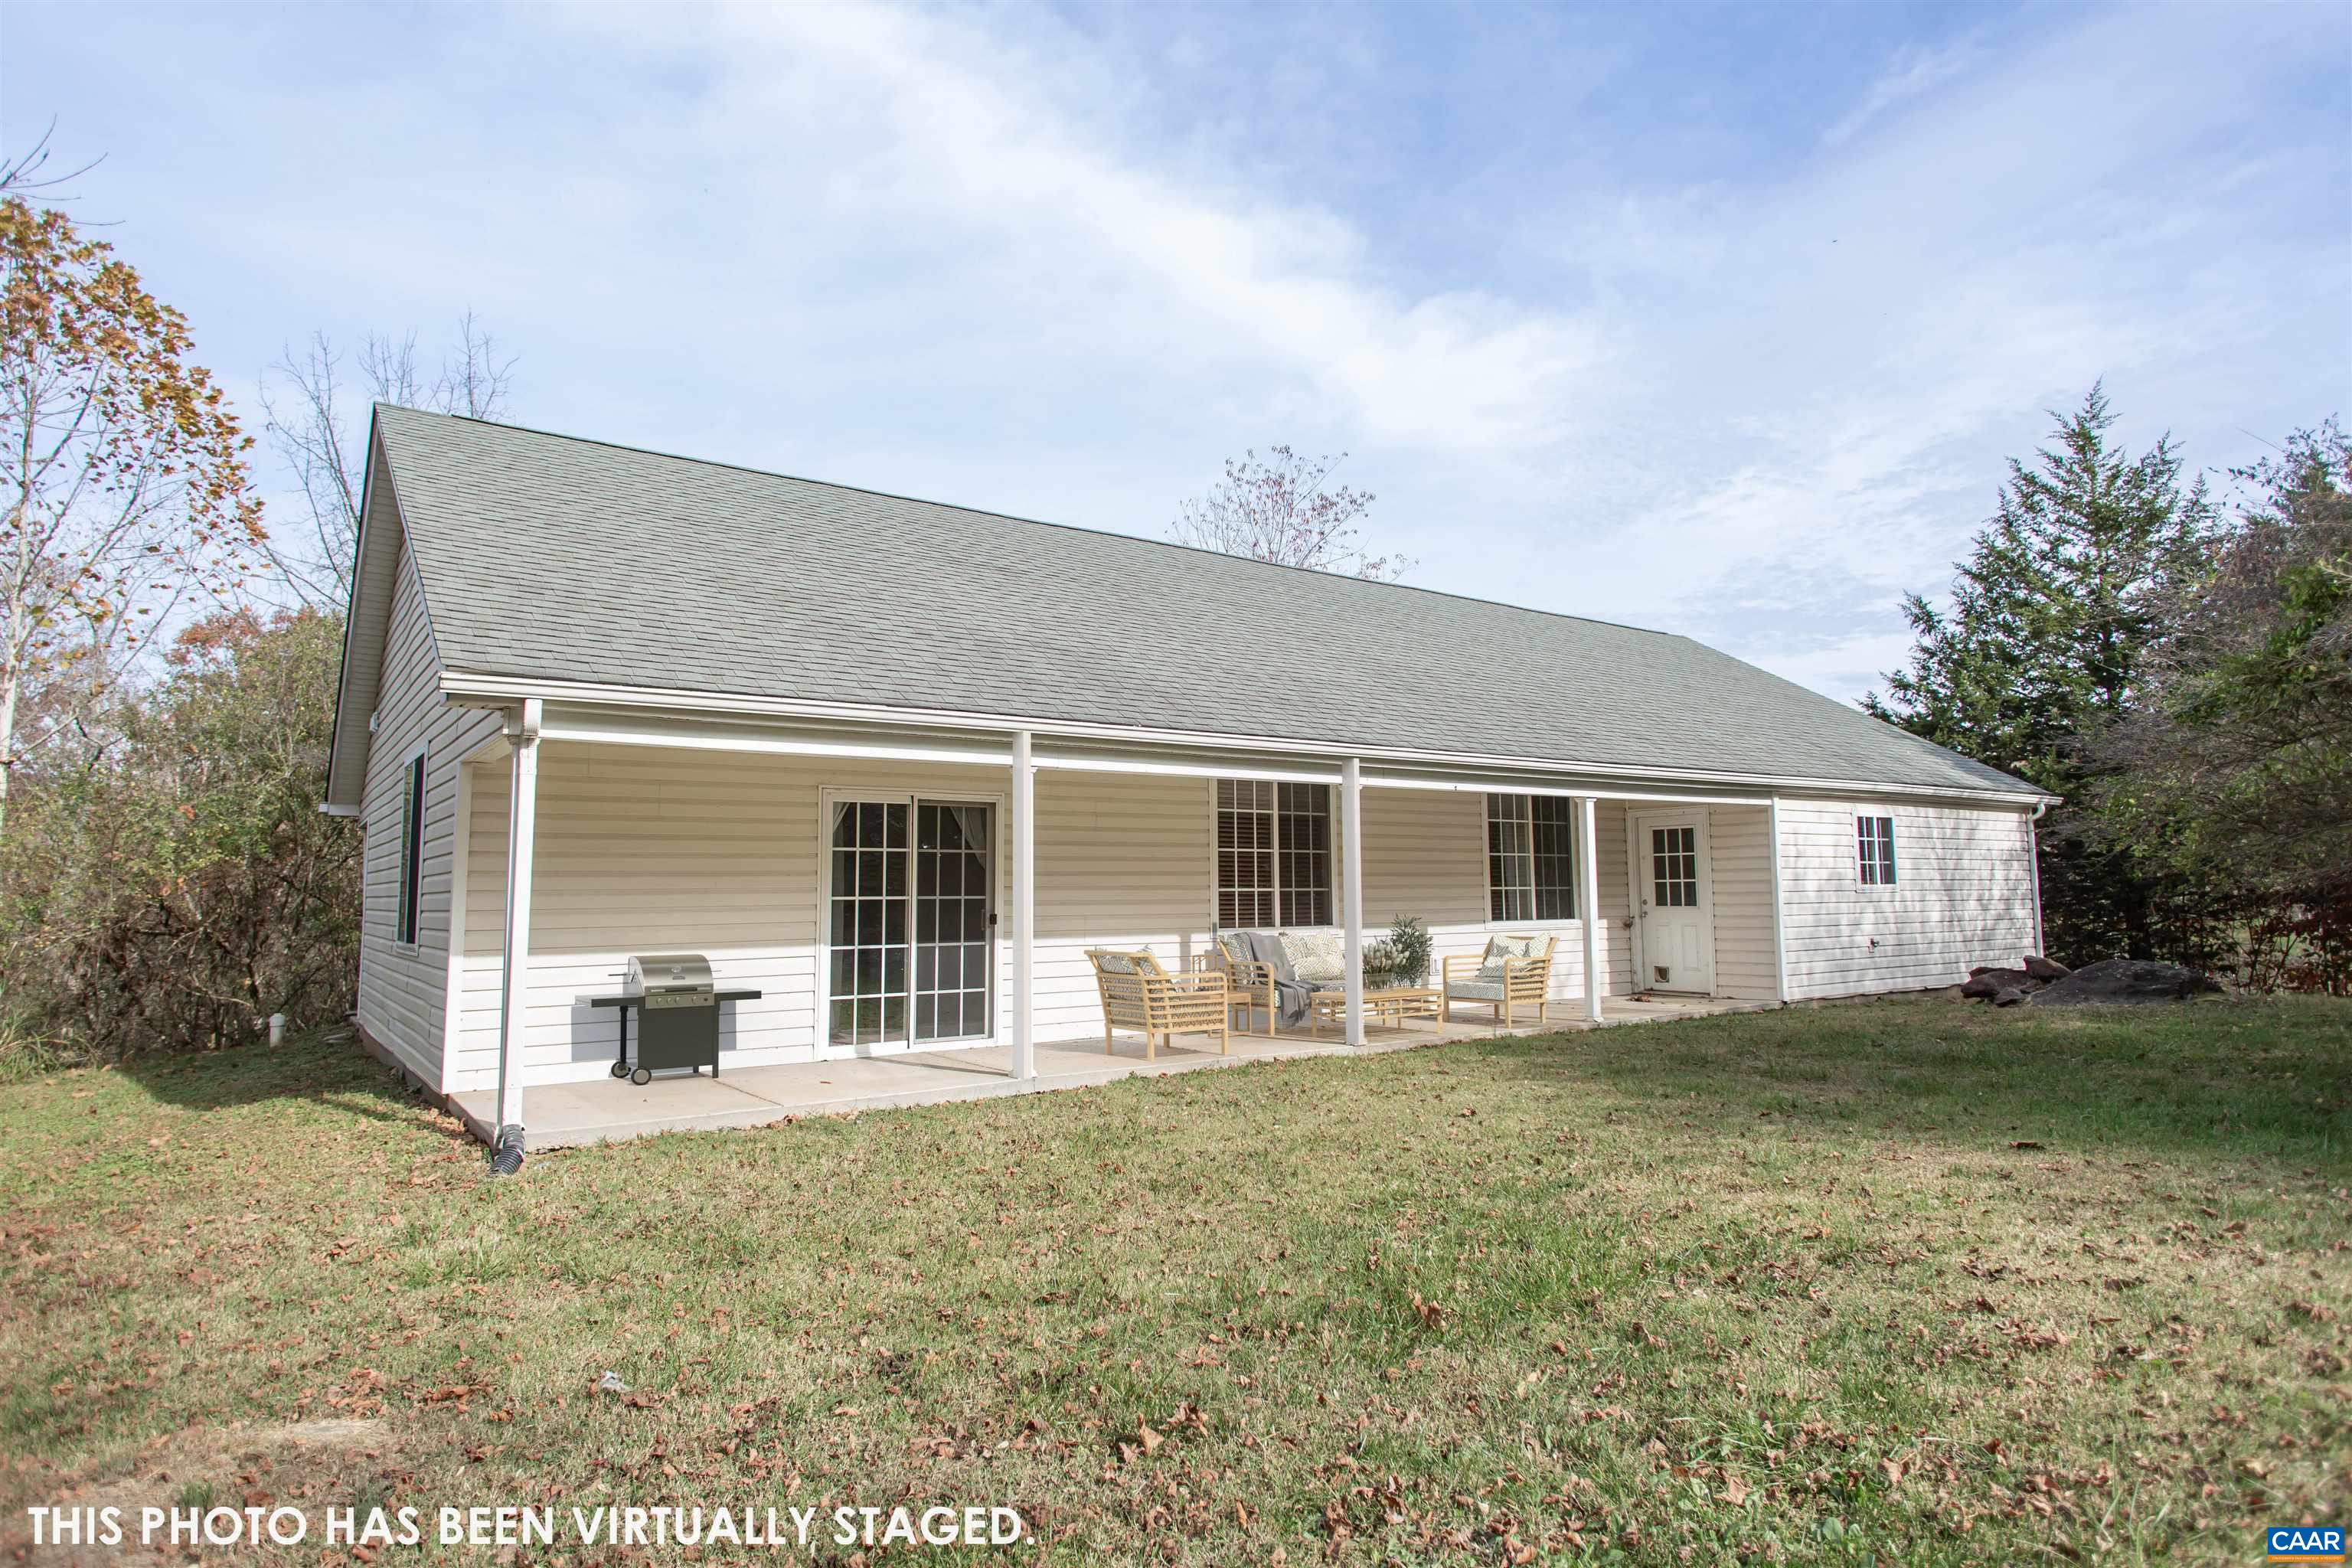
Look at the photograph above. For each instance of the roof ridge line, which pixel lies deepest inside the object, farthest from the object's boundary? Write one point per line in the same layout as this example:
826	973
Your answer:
1036	521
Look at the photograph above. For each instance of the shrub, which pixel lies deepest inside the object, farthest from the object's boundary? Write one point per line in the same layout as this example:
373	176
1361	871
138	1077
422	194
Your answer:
172	885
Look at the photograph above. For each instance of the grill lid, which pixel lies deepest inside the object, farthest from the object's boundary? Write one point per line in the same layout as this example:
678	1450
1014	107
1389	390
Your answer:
682	977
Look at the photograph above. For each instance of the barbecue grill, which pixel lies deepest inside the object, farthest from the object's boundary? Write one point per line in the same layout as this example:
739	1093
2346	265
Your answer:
677	1001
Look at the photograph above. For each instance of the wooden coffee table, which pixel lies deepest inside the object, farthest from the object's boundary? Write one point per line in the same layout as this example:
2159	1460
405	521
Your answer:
1389	1006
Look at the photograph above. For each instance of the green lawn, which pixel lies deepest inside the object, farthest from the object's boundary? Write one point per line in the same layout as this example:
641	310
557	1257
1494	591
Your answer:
1913	1282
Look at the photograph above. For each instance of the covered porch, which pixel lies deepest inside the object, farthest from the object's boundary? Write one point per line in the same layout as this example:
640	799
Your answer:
605	1110
590	829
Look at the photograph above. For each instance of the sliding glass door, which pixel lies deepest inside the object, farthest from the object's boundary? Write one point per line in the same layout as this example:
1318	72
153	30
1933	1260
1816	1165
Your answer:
911	924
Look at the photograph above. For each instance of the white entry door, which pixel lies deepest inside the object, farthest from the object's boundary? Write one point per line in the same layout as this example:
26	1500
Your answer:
1673	902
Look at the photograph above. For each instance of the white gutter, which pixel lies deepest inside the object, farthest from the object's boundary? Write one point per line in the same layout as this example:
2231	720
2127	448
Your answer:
498	691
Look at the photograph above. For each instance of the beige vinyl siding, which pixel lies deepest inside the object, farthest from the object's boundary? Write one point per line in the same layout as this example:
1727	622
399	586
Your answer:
1123	860
1739	838
1963	896
650	849
404	988
1425	855
647	850
1737	885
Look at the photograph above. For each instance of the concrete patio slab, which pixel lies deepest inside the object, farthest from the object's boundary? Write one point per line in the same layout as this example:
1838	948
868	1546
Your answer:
559	1116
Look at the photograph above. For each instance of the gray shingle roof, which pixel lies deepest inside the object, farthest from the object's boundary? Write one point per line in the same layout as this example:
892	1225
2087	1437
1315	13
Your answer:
561	559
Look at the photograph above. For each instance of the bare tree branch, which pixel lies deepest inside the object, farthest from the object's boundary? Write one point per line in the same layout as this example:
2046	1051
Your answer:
319	429
22	174
1281	510
474	381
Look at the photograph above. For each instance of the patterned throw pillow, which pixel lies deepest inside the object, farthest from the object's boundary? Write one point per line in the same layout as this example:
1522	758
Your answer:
1236	945
1315	955
1502	948
1119	962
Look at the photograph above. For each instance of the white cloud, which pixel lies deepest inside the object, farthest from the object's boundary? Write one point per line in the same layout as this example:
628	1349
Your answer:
998	150
959	254
1913	73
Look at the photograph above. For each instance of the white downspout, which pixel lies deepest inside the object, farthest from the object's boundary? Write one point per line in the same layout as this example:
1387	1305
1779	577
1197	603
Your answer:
2033	859
523	831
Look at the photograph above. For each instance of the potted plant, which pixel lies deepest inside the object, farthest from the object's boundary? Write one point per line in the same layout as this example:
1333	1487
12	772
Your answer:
1399	958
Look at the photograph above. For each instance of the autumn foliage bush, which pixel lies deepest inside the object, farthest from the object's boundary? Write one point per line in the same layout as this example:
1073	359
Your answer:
169	880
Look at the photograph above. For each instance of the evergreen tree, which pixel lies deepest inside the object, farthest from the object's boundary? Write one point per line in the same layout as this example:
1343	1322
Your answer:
2235	771
2047	641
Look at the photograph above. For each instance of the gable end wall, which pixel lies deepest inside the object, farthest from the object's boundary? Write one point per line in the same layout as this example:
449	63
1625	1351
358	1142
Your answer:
404	988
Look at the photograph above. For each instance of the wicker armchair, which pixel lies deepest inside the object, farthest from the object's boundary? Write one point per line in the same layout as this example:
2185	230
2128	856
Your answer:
1525	982
1139	995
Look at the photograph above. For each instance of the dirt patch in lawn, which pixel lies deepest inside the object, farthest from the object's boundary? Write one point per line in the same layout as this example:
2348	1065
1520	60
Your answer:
309	1464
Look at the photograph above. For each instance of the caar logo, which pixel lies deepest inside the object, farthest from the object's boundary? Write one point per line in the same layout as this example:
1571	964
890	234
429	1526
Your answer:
2306	1543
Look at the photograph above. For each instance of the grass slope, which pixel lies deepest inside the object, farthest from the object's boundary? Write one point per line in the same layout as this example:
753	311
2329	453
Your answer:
1901	1281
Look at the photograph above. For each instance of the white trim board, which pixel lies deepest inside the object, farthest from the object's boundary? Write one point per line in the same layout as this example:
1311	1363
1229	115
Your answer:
500	690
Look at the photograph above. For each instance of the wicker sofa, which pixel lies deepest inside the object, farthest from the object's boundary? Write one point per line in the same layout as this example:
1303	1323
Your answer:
1316	958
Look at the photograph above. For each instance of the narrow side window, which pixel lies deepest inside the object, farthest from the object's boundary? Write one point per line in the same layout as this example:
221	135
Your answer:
411	848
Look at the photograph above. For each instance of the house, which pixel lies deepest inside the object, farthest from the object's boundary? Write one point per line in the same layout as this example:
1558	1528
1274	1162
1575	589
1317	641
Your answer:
597	701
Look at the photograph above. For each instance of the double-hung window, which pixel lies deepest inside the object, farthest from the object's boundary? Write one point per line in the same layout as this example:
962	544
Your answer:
1531	858
1874	839
1274	853
411	848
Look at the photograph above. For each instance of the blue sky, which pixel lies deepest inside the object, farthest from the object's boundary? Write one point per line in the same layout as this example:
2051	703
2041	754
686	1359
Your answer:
1714	318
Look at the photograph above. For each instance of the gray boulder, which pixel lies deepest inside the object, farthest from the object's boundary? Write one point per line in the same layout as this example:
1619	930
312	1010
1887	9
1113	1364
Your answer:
2123	980
2042	968
2012	997
1985	985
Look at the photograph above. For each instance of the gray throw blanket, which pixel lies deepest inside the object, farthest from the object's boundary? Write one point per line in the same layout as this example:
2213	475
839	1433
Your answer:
1290	993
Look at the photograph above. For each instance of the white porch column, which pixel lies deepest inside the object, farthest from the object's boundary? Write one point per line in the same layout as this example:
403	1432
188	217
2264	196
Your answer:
1025	908
1588	900
1352	835
1779	927
523	830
